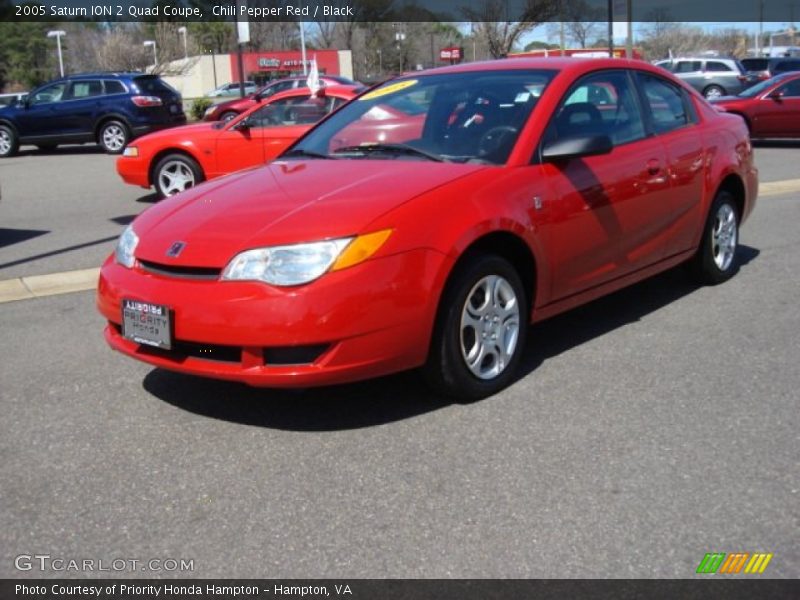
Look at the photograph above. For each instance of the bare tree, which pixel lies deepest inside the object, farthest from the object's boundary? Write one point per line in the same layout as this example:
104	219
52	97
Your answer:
500	29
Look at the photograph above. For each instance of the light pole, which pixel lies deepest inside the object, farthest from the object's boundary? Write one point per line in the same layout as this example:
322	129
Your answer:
182	31
399	37
155	55
57	33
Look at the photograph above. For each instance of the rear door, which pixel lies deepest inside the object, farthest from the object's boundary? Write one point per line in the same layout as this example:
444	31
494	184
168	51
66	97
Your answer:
612	211
81	105
671	116
691	71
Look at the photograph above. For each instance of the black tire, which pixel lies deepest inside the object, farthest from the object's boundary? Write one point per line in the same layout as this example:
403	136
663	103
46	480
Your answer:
177	164
228	115
714	91
47	147
9	142
709	265
447	369
113	136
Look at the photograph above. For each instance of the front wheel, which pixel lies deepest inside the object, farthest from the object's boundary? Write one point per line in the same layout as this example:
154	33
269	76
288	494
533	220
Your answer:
113	137
8	141
716	259
227	116
175	173
480	330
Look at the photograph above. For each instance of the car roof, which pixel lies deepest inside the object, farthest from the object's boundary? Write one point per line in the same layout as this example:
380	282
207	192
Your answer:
574	65
109	74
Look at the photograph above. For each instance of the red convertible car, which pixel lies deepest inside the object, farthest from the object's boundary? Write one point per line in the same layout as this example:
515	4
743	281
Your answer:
175	159
771	108
429	221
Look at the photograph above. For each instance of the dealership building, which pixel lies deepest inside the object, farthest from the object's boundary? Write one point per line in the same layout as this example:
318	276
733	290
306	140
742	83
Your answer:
197	75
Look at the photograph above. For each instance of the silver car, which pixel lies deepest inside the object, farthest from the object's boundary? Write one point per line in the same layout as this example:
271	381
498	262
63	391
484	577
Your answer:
711	76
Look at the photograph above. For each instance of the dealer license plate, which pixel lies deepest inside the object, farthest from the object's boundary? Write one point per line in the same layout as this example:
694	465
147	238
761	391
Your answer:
147	323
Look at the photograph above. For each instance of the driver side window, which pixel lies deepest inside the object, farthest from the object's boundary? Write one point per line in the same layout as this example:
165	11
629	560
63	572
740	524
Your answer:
52	93
599	104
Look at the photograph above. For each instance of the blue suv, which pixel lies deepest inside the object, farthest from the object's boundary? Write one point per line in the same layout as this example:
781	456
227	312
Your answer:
108	108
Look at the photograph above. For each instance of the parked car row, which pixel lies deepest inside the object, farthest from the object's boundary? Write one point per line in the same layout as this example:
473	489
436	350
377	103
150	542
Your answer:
110	109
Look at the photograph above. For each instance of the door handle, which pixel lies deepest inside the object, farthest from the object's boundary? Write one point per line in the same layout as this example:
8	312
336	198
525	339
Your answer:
653	166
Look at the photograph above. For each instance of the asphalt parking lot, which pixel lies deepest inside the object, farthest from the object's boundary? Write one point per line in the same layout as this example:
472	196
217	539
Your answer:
648	428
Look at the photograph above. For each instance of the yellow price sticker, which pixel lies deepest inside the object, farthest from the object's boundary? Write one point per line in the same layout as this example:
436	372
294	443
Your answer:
389	89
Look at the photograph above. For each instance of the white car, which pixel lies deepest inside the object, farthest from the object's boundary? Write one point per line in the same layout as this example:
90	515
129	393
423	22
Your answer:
232	89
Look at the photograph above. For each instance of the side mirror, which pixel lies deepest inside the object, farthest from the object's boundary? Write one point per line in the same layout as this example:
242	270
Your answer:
776	95
576	146
243	125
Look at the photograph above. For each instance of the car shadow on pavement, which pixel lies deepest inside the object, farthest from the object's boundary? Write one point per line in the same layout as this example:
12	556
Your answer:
151	198
9	237
396	397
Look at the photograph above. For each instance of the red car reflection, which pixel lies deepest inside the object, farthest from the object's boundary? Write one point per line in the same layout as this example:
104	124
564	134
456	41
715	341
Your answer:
771	109
504	193
175	159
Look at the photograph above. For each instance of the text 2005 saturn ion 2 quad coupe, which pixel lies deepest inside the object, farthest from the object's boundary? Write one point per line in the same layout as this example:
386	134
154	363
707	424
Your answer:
496	195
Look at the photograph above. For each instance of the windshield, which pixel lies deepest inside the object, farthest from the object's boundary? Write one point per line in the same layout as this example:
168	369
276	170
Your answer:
454	117
754	91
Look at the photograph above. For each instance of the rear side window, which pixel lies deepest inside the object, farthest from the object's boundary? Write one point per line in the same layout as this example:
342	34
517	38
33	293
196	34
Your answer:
85	89
666	103
715	65
602	104
687	66
114	87
153	85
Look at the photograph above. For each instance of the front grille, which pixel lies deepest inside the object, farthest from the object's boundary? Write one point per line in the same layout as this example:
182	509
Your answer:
207	273
218	352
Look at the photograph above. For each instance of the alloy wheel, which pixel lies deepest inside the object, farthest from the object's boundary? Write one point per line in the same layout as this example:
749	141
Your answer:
724	237
175	176
490	325
113	137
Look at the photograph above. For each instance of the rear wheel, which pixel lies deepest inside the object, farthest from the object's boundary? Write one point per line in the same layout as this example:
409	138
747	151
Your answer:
9	143
227	116
113	136
716	259
480	330
175	173
713	91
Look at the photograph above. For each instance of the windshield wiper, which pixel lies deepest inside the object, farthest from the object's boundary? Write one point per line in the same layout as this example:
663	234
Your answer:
390	148
306	153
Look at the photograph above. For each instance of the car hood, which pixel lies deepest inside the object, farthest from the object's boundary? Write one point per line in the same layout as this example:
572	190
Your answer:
177	133
284	202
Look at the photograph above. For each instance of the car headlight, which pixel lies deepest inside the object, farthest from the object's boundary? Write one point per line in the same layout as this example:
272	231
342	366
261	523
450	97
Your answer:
302	263
131	151
210	110
126	245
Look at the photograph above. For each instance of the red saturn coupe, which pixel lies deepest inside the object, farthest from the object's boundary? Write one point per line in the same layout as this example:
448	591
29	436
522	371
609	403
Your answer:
494	195
771	108
175	159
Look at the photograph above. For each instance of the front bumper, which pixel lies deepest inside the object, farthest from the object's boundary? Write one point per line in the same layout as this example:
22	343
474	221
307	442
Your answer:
372	319
134	170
